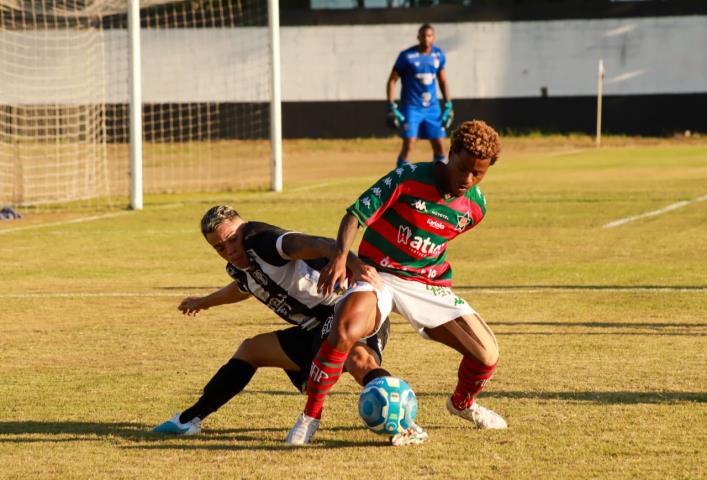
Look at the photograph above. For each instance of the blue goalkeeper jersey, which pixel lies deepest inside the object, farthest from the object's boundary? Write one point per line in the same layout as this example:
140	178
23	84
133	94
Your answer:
418	74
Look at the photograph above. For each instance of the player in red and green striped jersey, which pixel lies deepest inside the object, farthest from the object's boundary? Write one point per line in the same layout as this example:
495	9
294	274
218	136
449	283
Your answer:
410	215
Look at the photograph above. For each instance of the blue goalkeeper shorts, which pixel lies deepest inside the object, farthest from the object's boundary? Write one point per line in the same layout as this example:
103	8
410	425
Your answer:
422	123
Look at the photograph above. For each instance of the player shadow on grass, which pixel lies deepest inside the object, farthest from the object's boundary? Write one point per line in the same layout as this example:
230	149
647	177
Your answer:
143	438
619	397
634	325
663	329
252	439
582	287
31	431
257	443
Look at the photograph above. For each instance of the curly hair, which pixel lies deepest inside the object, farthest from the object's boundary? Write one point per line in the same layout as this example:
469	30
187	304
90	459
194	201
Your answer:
477	138
215	216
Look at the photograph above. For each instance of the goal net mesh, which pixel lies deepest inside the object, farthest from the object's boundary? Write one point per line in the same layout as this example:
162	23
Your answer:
64	98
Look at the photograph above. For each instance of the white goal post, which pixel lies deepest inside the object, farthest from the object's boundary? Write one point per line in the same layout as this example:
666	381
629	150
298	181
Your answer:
209	119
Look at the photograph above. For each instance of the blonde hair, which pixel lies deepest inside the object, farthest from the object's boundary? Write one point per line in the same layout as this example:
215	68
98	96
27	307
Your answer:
215	216
477	138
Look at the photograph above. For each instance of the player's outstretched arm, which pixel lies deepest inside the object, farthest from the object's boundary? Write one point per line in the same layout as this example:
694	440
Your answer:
191	306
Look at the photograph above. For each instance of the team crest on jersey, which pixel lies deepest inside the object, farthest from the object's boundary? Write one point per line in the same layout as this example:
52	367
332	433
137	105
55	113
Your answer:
436	62
385	262
463	221
420	206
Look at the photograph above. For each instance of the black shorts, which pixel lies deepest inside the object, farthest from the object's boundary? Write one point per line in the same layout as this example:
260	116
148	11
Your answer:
302	345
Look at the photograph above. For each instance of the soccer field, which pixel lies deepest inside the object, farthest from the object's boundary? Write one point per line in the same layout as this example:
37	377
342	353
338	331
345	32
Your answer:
603	331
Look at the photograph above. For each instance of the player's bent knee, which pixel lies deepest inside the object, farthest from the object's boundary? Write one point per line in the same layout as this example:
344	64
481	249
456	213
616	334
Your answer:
247	352
488	357
356	319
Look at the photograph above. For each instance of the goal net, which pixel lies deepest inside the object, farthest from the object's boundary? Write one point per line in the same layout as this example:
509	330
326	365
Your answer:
64	98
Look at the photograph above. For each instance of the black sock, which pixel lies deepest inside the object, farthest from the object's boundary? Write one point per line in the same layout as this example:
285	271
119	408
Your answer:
376	373
230	380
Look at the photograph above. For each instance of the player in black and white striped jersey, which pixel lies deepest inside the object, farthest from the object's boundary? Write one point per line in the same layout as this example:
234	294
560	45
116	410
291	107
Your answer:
280	269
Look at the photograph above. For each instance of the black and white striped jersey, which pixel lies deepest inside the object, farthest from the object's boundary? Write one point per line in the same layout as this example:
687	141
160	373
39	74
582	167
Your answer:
286	286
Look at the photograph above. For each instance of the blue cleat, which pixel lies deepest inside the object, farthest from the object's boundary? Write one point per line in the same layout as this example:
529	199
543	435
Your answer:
174	427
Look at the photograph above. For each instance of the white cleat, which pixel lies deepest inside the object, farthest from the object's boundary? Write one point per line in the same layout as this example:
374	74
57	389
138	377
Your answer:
301	433
174	427
480	416
414	435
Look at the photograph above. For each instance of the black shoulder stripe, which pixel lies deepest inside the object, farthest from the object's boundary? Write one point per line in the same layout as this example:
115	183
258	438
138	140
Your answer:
238	276
261	238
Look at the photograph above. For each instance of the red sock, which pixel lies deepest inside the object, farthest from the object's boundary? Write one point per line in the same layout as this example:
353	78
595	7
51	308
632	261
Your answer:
326	370
473	377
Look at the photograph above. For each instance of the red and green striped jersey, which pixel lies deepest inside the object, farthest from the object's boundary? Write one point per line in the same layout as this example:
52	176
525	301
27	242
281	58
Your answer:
410	221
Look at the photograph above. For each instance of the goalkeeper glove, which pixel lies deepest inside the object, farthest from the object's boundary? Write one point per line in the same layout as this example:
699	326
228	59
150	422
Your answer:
447	115
394	118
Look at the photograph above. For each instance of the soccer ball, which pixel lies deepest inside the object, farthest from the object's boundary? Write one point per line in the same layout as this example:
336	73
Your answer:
387	405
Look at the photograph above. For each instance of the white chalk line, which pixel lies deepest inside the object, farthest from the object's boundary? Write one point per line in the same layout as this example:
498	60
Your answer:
333	183
66	222
493	290
91	218
565	152
674	206
95	294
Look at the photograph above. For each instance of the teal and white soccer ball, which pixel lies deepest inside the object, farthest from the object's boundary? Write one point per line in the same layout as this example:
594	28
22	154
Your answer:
387	405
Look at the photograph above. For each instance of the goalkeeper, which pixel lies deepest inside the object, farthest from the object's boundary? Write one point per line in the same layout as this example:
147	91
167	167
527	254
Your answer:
419	114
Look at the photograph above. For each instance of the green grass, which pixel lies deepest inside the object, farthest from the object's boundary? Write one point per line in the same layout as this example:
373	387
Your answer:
602	331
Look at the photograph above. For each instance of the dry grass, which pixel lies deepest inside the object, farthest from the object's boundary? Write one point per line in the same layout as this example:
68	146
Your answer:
602	331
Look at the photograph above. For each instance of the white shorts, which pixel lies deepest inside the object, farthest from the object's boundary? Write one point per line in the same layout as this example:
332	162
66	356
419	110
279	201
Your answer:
423	306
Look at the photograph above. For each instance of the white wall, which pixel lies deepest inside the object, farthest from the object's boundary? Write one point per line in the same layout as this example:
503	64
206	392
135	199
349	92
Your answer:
504	59
329	63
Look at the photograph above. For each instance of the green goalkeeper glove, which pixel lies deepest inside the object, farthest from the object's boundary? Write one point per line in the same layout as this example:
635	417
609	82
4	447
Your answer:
447	115
394	118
